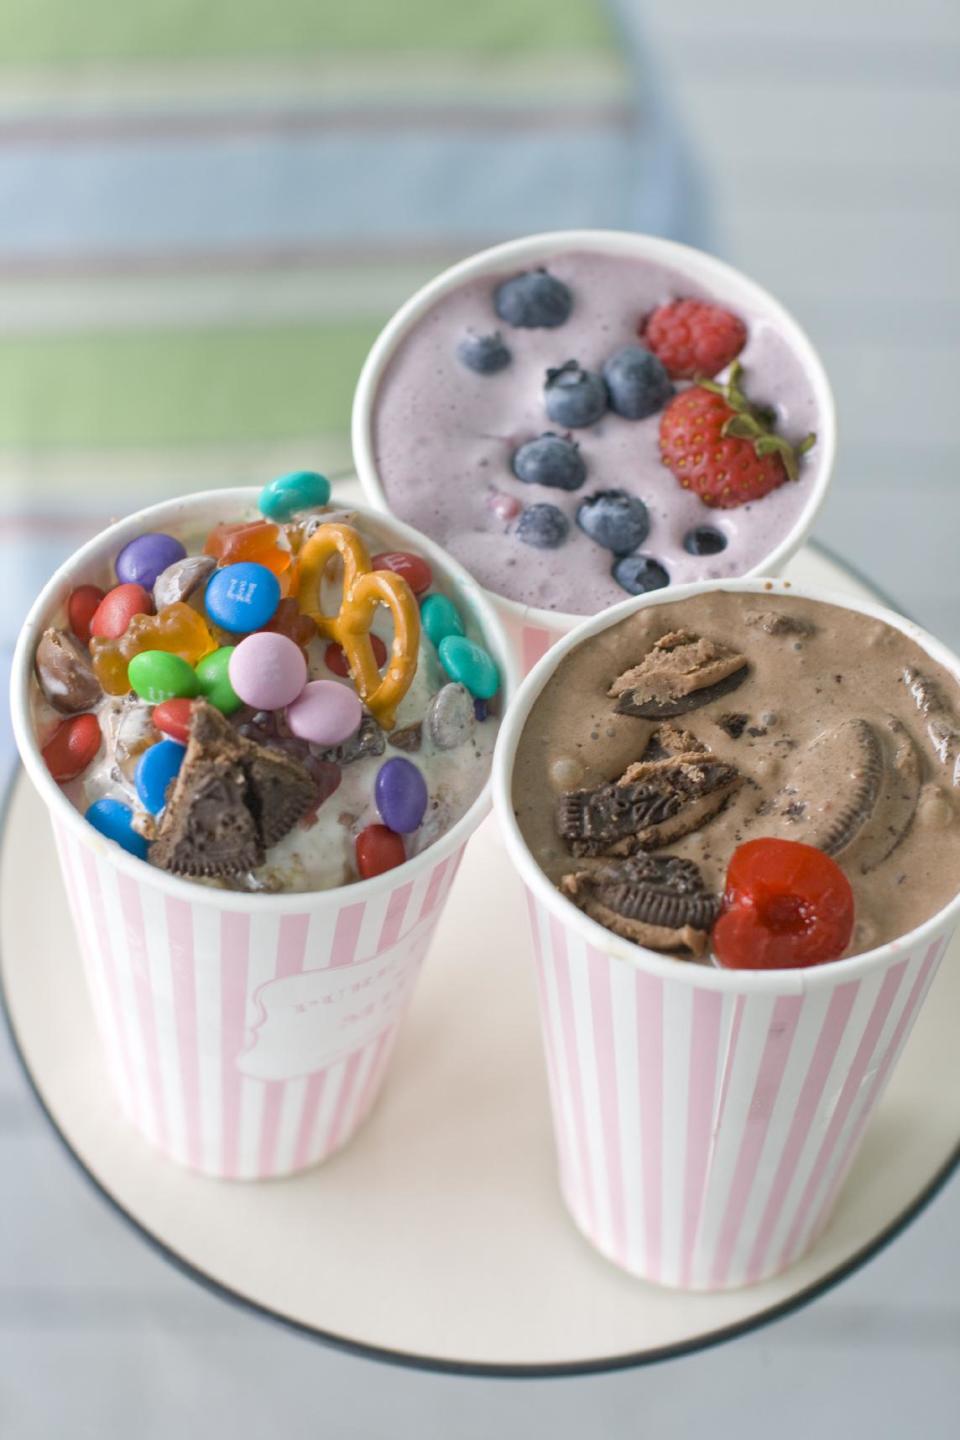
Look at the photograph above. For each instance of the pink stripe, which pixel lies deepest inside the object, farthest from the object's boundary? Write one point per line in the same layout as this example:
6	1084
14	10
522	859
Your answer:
900	1033
180	939
433	888
731	1055
136	936
291	947
865	1050
534	645
393	920
776	1051
546	1030
561	970
808	1107
342	1107
649	1019
701	1098
371	1085
346	934
303	1150
113	984
234	960
601	1005
96	982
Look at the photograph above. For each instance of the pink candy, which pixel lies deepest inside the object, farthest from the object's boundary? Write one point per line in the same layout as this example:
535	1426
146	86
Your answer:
505	507
326	713
268	670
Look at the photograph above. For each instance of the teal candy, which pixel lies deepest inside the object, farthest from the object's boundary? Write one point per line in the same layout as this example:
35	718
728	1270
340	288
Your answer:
213	675
300	490
158	675
469	663
440	618
114	820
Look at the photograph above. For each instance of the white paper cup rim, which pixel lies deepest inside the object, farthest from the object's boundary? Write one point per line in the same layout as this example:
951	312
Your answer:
781	982
233	501
696	263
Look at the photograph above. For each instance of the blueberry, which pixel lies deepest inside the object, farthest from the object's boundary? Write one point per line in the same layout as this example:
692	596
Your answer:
484	354
574	397
614	519
550	460
704	540
543	526
533	300
638	573
637	382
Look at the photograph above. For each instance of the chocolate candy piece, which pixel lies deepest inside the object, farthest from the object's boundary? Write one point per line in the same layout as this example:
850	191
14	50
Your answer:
81	608
466	661
378	849
144	559
114	820
242	597
72	747
325	713
655	900
232	799
369	740
410	738
266	670
299	490
156	768
681	673
451	717
401	795
65	674
181	579
678	786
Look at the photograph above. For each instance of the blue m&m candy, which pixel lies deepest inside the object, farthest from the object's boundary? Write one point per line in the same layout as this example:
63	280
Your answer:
469	663
300	490
155	770
242	597
114	820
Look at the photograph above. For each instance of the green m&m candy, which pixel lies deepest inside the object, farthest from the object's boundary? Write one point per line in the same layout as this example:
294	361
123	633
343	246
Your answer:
440	618
214	680
157	675
469	663
300	490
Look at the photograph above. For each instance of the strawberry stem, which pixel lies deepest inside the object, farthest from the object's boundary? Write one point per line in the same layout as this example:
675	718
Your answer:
755	423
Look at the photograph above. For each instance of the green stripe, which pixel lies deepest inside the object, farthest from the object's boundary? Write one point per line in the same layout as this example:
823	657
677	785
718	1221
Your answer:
45	31
171	388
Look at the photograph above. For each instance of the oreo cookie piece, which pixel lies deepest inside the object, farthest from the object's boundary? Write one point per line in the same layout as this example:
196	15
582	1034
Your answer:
232	800
678	786
779	622
368	740
681	673
655	900
897	799
941	727
832	788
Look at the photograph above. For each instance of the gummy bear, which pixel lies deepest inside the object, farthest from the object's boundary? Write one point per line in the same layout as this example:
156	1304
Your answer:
178	629
290	621
256	541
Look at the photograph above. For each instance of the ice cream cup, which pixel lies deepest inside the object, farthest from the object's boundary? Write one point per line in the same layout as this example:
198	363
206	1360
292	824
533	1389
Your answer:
247	1035
533	630
705	1119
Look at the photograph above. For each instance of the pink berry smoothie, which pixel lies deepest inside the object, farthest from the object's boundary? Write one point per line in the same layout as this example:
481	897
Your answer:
443	436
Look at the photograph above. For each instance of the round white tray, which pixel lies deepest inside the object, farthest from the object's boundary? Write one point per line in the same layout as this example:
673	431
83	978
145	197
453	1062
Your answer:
438	1237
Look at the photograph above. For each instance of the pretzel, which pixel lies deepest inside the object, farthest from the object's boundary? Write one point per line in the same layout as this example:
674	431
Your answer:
363	590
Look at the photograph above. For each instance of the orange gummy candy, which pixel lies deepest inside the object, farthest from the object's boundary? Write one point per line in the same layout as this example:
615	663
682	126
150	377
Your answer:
256	541
178	629
290	621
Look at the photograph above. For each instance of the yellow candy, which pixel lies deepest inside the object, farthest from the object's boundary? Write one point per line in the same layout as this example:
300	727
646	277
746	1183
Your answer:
363	590
178	629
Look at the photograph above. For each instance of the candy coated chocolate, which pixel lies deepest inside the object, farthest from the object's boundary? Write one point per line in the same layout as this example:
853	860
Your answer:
155	770
114	820
142	560
469	663
81	608
267	671
378	849
72	747
65	673
242	597
117	609
158	675
213	677
440	618
401	795
300	490
325	713
413	568
173	717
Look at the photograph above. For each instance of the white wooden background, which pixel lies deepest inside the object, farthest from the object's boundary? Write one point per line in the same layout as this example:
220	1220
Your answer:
828	132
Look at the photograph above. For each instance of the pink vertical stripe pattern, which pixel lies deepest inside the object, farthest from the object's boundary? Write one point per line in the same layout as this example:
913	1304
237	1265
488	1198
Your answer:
776	1052
110	963
180	940
234	965
291	946
143	991
601	1006
393	919
303	1153
344	1101
434	887
701	1098
554	1084
649	1020
568	1032
346	934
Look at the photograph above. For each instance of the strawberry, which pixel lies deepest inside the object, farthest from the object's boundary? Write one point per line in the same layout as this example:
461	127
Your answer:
720	445
693	338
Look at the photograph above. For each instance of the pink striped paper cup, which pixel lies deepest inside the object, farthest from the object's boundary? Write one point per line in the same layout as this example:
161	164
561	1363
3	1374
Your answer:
533	630
247	1036
706	1119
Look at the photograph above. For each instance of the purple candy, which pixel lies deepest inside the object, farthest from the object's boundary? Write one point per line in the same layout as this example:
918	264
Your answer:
142	560
401	795
480	709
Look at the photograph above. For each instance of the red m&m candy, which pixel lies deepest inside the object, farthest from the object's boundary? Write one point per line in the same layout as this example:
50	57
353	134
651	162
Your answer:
81	608
378	849
413	568
117	609
173	718
71	747
337	660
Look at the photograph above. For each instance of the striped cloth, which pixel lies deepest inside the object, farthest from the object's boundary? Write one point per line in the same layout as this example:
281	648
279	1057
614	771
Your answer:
211	208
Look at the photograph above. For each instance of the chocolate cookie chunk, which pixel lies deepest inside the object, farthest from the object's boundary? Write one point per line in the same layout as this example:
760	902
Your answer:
941	726
655	900
232	800
369	740
778	622
676	787
681	673
832	788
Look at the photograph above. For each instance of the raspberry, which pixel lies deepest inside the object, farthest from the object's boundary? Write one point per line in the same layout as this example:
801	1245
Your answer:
786	905
719	445
694	338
